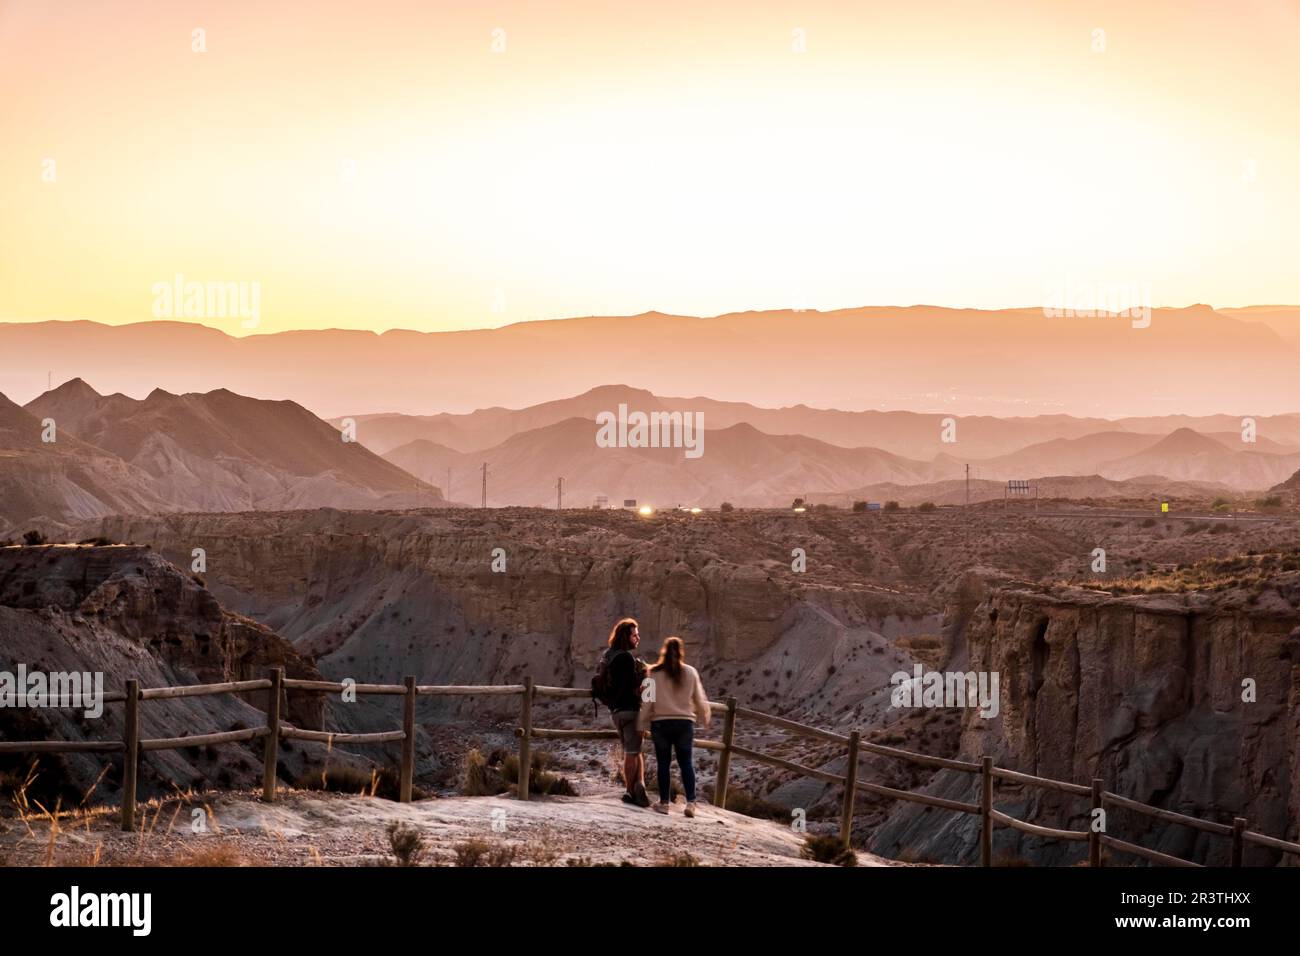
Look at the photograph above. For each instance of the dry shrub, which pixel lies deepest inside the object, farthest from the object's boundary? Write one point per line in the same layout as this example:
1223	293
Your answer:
677	859
825	848
481	779
476	852
540	780
384	783
500	772
213	854
406	842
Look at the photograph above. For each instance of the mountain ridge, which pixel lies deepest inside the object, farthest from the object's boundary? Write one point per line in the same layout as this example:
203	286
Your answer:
927	358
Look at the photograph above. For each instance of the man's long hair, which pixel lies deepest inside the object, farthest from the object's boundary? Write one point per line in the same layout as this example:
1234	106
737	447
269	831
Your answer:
620	638
671	658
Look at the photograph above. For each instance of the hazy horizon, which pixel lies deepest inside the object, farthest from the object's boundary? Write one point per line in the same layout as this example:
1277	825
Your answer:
1194	361
239	333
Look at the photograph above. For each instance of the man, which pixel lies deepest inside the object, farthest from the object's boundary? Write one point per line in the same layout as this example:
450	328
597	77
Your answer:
618	677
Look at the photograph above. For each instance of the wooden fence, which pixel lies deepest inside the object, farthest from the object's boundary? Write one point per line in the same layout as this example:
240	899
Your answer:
275	730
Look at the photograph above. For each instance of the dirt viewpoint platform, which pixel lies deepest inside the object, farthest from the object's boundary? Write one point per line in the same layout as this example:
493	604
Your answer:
326	829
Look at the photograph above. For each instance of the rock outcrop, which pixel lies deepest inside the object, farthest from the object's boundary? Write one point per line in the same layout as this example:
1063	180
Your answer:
1181	701
125	612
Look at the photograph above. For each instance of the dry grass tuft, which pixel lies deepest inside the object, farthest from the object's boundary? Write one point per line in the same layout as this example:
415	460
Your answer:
825	848
477	852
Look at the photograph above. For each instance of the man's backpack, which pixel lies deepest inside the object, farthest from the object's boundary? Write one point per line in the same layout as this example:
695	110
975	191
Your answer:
603	690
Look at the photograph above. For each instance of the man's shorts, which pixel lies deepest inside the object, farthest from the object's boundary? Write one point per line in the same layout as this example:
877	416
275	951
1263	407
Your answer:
625	724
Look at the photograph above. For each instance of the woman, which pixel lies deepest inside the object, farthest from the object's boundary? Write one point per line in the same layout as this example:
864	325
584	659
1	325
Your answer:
676	703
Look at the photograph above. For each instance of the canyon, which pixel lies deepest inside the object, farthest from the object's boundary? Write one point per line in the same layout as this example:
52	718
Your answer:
1135	676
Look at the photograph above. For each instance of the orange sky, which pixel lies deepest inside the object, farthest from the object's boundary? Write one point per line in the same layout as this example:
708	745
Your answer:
378	165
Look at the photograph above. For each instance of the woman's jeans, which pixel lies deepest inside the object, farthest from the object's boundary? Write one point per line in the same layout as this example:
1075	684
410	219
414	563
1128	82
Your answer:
670	735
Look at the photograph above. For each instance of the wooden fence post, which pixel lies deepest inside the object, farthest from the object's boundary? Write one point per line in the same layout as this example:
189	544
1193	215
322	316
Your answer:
271	752
1238	839
130	753
1094	835
850	789
986	811
724	759
526	738
408	742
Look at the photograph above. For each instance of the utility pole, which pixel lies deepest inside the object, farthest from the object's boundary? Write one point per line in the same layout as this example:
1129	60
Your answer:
484	484
559	493
968	486
446	491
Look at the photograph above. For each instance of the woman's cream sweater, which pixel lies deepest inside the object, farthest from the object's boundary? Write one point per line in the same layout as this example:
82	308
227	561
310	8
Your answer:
681	700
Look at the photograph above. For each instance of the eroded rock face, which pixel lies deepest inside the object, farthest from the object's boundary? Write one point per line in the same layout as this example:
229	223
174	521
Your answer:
1145	693
373	595
127	613
140	596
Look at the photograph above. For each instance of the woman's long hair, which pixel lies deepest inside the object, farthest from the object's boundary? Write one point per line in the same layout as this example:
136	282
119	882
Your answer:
620	637
671	658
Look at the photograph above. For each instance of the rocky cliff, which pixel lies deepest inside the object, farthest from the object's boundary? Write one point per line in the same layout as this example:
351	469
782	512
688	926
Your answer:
125	612
1151	693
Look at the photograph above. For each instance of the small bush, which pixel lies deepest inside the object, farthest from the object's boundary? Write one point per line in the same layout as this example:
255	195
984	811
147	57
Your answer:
478	852
586	861
33	537
727	506
481	780
925	506
677	859
407	843
891	505
540	780
384	783
859	506
214	854
825	848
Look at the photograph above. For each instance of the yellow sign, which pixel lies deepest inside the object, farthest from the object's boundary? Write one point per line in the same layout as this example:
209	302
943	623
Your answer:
1164	507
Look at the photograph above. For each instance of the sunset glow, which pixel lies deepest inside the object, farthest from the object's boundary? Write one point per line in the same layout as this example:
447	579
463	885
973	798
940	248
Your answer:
382	165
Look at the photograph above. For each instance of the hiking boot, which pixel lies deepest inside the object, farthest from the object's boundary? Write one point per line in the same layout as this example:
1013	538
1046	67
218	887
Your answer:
661	808
628	798
641	798
690	808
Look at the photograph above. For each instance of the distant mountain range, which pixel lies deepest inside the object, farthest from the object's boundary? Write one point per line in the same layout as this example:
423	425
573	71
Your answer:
219	451
906	433
1012	362
760	456
196	452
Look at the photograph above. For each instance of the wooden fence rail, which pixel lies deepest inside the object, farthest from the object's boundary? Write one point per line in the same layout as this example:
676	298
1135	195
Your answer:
132	746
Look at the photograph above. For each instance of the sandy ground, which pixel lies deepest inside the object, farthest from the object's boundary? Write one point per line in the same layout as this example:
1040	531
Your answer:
307	828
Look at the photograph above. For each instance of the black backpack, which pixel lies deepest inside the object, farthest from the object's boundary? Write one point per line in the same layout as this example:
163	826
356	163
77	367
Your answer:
602	689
